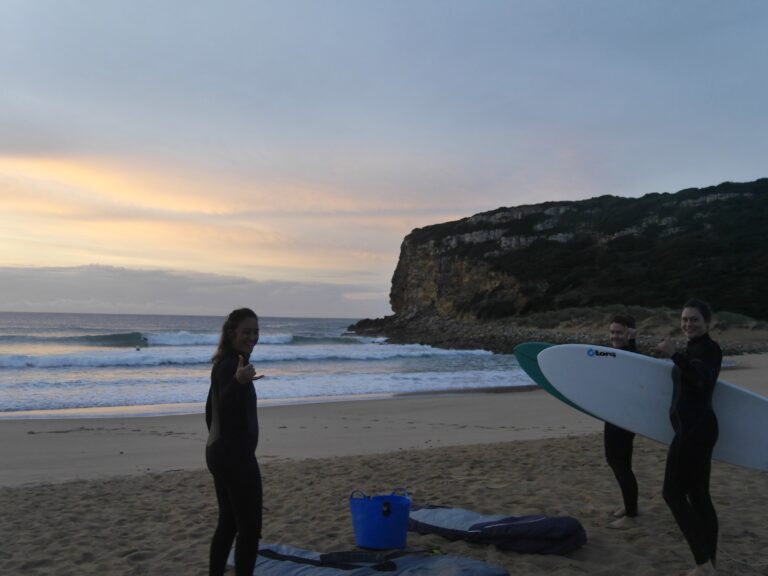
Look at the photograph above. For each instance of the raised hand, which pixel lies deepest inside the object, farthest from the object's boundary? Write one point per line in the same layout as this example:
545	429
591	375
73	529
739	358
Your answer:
666	348
245	373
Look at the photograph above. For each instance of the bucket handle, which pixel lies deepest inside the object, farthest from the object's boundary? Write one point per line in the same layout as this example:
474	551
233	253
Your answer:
400	491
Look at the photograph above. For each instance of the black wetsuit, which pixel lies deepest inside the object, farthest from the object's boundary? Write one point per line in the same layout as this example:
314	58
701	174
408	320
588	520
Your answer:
233	433
689	461
618	445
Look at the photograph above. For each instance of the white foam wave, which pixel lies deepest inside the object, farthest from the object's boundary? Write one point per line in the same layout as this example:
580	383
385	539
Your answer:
118	358
270	339
192	355
182	338
169	388
362	352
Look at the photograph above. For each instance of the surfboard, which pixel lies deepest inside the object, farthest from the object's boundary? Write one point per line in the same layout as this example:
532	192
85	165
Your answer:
635	392
526	354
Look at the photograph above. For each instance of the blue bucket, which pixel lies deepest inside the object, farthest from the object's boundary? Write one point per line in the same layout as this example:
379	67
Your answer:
380	522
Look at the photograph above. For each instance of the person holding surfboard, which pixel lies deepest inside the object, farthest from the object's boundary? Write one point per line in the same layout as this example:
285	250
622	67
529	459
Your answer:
689	460
233	433
618	443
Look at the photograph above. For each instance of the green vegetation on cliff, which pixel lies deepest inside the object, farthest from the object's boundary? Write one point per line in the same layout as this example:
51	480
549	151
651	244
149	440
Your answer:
650	251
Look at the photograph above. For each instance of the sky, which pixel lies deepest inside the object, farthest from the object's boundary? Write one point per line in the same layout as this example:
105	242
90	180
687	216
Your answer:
191	156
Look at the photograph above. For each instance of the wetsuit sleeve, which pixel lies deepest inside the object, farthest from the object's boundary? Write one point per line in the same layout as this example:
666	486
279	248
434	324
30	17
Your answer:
702	365
229	389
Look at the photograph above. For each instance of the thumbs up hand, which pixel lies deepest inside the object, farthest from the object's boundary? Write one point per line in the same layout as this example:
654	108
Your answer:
666	348
245	373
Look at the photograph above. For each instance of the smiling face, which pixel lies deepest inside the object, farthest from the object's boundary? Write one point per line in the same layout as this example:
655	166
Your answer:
692	323
245	336
619	335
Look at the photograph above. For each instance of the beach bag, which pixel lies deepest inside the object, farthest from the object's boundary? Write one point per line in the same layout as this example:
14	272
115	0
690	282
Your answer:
380	522
534	534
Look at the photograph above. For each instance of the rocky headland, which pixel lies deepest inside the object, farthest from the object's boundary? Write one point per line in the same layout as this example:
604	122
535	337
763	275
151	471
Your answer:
558	271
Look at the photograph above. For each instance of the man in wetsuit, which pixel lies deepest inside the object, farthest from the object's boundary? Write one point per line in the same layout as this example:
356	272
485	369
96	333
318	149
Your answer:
618	442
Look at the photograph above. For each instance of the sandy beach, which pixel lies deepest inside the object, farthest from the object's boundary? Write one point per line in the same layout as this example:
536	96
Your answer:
132	496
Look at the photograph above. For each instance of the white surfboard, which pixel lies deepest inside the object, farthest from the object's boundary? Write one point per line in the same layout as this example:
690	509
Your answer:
635	392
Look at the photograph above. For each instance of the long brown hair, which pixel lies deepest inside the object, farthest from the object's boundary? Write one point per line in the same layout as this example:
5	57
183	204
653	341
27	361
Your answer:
231	323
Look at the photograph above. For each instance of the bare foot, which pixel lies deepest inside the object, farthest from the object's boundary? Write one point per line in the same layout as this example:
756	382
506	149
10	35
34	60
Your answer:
623	523
703	570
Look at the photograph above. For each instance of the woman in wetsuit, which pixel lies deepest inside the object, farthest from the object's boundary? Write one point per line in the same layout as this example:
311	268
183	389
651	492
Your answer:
686	479
233	433
618	443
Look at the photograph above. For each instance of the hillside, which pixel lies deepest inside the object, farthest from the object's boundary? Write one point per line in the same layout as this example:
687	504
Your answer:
653	251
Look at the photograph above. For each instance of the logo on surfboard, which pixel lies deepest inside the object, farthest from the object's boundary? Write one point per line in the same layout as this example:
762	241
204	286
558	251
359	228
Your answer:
591	352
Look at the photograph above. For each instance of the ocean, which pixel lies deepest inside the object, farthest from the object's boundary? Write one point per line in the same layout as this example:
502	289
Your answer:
60	365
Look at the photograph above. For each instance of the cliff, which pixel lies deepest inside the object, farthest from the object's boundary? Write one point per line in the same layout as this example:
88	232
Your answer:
652	251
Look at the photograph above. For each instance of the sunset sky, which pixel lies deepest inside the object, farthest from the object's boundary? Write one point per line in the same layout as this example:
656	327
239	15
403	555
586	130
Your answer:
186	156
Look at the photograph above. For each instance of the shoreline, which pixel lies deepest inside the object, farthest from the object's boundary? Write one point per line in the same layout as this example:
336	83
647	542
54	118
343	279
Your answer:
56	450
192	408
730	363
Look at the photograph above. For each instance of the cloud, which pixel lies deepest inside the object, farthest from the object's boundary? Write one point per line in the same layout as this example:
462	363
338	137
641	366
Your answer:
108	289
77	211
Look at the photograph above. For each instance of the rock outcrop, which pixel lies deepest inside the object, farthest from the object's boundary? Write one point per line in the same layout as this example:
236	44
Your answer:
650	251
